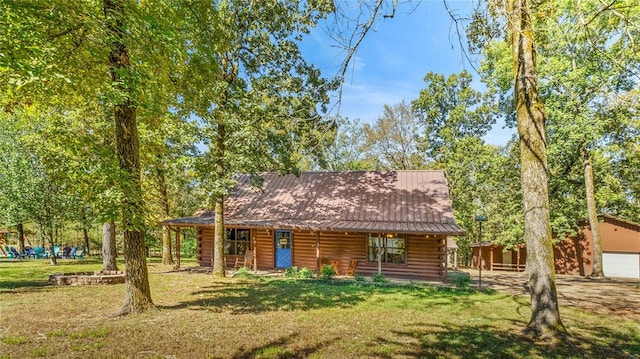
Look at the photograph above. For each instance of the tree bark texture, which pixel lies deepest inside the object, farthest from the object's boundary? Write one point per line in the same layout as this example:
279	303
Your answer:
85	235
218	267
109	249
20	229
137	290
167	259
593	215
545	316
48	234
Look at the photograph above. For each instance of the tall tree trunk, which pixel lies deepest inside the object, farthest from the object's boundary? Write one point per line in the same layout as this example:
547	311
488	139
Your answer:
218	267
137	292
167	258
164	200
593	214
109	249
20	228
85	233
48	230
545	315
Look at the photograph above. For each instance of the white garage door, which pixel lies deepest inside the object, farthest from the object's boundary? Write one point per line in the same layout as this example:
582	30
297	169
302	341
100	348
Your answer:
625	265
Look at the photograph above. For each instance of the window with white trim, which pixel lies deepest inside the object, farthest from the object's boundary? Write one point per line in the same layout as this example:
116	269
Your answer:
237	242
391	247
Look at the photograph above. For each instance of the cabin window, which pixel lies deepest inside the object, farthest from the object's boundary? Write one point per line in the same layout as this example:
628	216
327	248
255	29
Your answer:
390	246
238	241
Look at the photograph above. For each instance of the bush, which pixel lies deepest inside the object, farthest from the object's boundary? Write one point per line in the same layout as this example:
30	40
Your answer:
293	272
306	273
460	279
327	271
188	247
380	278
359	278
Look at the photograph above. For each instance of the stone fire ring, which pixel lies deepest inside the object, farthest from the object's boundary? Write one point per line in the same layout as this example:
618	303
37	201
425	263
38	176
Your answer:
87	278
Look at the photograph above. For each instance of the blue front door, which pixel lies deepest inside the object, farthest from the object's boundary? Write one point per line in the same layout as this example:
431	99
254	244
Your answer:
283	249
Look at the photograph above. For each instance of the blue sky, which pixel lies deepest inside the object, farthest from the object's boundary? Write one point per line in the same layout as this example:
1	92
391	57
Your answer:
394	58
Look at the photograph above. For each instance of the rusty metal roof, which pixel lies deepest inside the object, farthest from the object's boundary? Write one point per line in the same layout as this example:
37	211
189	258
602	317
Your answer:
202	218
358	201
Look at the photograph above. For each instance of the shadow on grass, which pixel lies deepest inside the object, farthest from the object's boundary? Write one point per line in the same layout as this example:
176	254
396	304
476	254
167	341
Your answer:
278	348
279	294
12	286
486	341
34	274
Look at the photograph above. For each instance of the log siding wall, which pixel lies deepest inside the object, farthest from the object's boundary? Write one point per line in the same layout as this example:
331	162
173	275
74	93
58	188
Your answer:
425	255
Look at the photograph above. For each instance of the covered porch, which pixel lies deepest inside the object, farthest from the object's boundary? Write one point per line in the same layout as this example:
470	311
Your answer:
497	257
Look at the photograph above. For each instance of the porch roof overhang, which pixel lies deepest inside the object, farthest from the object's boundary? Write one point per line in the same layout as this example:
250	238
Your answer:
427	228
197	220
482	244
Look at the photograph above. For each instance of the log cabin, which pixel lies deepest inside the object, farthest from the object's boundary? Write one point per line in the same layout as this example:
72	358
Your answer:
404	217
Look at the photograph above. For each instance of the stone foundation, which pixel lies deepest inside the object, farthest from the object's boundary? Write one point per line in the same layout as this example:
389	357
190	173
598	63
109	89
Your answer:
87	278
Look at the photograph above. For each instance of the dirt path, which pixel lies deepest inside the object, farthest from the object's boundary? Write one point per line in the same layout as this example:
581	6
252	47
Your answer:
613	296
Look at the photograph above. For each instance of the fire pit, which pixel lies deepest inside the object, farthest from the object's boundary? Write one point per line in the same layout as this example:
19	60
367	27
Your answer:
87	278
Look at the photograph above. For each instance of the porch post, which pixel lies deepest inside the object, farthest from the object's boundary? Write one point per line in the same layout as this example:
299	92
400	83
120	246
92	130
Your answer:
491	259
455	259
446	260
318	251
255	249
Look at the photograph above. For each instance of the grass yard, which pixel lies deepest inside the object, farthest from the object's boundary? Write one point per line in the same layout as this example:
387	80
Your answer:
199	317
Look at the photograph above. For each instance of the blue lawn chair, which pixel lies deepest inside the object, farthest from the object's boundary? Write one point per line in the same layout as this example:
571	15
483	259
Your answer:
56	251
16	254
40	253
9	252
80	254
29	252
72	252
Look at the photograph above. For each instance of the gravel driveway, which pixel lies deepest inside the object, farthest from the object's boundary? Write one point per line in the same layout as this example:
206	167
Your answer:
612	296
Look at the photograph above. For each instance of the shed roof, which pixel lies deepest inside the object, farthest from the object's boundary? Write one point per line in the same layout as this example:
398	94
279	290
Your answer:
635	226
358	201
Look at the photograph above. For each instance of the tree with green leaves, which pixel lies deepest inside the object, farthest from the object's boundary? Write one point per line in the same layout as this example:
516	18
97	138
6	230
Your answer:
138	293
456	117
37	173
256	97
451	109
545	314
586	65
346	152
167	172
113	56
392	142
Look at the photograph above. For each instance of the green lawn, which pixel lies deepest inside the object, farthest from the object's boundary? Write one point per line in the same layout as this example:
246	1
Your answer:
200	317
